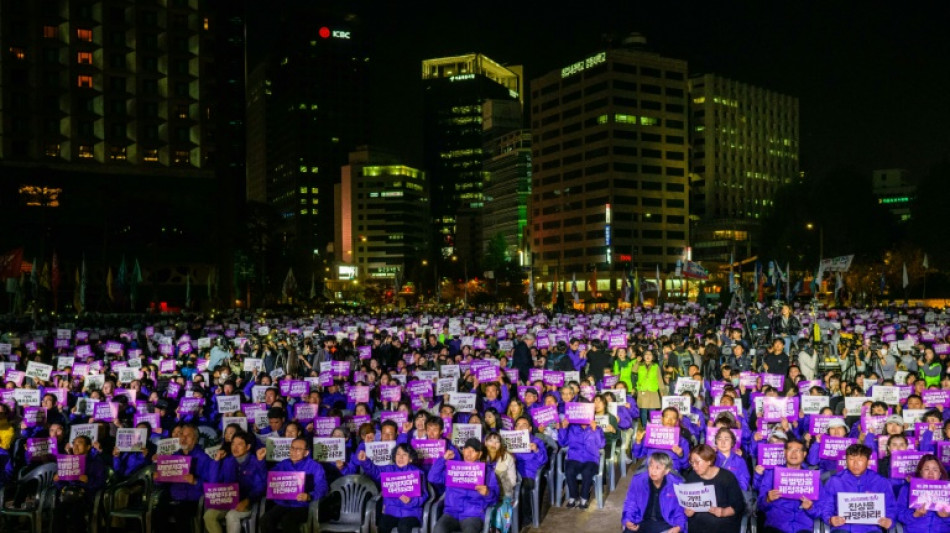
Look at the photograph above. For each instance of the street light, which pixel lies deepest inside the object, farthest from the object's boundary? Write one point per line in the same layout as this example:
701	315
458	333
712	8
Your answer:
821	239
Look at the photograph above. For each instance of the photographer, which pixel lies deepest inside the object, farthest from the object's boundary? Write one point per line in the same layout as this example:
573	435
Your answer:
852	361
785	326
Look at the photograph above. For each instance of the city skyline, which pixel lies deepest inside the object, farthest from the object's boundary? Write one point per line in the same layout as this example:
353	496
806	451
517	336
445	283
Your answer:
865	79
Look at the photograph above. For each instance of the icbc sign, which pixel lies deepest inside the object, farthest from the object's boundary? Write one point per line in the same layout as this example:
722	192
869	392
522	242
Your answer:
326	33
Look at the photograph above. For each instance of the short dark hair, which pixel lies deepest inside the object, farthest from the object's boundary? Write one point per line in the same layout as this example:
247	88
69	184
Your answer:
858	449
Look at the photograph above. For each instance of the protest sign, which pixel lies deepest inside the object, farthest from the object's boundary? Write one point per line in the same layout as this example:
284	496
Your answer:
396	484
795	483
464	475
517	441
222	496
544	416
172	468
152	419
329	449
89	430
932	495
285	485
463	432
464	402
904	463
834	447
888	395
428	450
278	448
853	404
771	455
131	439
38	371
861	507
680	403
812	405
696	496
41	446
70	467
579	413
323	426
380	453
167	446
661	437
687	385
239	420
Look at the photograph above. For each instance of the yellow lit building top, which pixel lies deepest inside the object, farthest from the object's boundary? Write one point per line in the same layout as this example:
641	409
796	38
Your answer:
463	67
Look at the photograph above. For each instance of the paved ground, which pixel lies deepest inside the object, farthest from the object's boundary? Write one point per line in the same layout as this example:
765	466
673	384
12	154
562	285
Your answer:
606	520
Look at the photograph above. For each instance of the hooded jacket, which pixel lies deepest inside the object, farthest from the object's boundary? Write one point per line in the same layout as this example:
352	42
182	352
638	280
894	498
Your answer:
638	497
583	445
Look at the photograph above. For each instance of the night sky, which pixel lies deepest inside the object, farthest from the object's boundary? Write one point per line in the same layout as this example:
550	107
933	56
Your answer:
871	78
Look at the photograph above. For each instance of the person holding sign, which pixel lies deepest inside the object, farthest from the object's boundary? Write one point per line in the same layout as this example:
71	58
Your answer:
651	505
786	514
503	464
125	463
584	443
245	469
180	500
610	428
401	510
728	457
464	507
528	464
838	429
289	514
726	515
677	452
75	494
858	479
923	517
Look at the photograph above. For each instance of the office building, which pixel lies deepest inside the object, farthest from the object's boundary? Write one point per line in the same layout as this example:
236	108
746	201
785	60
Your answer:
609	155
893	189
307	105
382	222
454	90
507	169
745	145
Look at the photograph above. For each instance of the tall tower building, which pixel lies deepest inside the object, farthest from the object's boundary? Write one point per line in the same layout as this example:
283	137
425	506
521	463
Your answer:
610	161
307	110
507	170
745	146
893	189
382	218
455	89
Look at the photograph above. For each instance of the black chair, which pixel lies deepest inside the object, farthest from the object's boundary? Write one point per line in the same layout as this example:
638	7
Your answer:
34	497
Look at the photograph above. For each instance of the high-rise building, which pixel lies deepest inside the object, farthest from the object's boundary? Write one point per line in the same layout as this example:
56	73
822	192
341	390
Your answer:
455	89
745	143
507	170
893	189
110	134
307	109
382	218
609	180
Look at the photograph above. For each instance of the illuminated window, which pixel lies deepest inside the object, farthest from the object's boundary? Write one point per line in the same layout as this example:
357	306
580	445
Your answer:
699	100
206	24
625	119
313	211
649	121
303	200
182	157
52	150
84	58
49	32
84	81
313	190
17	52
151	156
84	35
35	196
315	201
303	211
86	152
602	119
117	153
183	111
303	190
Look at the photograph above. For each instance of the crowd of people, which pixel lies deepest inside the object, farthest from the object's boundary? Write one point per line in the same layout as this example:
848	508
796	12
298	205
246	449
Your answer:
782	417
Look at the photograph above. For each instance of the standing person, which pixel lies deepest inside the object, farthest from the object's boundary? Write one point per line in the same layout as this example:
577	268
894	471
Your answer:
289	514
623	367
521	358
856	478
730	505
651	505
598	360
648	386
245	469
786	515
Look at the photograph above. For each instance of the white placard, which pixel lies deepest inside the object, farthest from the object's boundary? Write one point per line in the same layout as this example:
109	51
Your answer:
89	430
38	371
812	405
329	449
696	496
888	395
229	404
861	507
380	453
278	448
167	446
517	441
852	405
464	402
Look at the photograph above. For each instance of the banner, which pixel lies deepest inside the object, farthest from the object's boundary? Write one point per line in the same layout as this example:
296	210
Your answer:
837	264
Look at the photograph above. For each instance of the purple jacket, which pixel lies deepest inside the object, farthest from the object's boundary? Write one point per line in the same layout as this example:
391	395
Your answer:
737	466
583	445
930	522
464	503
679	463
251	476
394	506
638	497
529	463
845	481
204	469
784	514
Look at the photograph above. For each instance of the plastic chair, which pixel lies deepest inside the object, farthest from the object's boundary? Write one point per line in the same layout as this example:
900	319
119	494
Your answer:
598	481
439	507
35	503
550	474
356	492
208	436
426	509
614	463
516	505
249	524
142	512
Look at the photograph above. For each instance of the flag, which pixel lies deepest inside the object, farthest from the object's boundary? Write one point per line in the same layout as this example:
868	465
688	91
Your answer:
624	288
109	285
926	264
786	277
732	278
659	284
636	287
188	290
290	284
798	286
10	263
839	283
574	294
531	289
134	284
906	278
770	282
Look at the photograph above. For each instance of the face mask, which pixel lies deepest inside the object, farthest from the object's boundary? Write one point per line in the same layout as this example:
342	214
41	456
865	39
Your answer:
735	382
